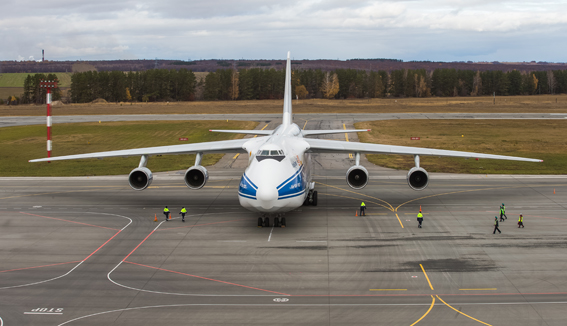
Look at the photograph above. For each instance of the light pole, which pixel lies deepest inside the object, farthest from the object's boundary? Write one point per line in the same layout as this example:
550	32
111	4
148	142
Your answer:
49	84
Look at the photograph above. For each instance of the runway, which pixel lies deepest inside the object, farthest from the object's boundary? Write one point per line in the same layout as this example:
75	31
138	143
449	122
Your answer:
86	251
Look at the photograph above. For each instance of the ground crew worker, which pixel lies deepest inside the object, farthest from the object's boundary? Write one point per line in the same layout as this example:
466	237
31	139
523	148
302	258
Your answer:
362	209
166	213
496	225
419	219
183	212
503	213
521	221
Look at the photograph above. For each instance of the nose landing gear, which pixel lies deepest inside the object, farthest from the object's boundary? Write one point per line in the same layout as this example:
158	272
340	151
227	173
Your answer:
265	222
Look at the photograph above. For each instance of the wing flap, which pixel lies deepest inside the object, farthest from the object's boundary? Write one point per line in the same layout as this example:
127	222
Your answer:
333	146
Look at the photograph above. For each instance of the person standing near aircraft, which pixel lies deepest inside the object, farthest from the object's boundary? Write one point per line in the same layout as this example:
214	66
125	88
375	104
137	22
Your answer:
521	221
496	225
363	209
166	213
503	213
183	212
419	219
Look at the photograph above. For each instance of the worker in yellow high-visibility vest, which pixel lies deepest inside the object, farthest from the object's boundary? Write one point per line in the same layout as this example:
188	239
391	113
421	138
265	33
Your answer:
183	212
363	209
419	219
166	213
521	221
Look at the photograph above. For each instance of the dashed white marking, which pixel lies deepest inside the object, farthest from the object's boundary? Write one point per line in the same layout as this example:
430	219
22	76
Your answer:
281	299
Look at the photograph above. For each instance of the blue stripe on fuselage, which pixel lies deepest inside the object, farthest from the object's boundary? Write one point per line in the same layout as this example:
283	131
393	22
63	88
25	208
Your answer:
247	188
294	186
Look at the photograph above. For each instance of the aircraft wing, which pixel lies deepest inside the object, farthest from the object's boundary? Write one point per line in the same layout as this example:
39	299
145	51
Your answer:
246	132
223	146
327	132
333	146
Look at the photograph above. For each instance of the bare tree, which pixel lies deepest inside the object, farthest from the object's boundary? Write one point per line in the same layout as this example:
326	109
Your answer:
551	83
477	84
234	85
330	85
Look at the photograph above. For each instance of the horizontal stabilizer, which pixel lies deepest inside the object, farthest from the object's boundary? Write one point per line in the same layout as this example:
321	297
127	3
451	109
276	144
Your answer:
326	132
246	132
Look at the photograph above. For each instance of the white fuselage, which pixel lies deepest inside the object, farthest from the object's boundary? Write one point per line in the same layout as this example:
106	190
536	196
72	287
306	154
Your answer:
278	174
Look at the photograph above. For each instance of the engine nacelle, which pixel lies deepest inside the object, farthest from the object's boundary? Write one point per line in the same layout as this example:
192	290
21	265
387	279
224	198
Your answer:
418	178
357	177
196	177
140	178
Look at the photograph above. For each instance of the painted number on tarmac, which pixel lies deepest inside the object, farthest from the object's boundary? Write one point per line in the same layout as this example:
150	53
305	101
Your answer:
281	299
45	311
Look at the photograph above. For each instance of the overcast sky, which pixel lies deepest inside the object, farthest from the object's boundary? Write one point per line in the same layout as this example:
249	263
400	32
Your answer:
443	30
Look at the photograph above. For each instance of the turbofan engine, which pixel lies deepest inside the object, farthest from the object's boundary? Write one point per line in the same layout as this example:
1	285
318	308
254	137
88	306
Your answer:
196	177
357	177
140	178
418	178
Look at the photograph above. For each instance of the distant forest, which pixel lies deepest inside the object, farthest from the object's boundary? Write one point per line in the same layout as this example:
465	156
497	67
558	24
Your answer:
263	83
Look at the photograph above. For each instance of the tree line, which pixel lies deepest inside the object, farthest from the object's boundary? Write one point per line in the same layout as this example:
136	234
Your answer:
140	86
260	83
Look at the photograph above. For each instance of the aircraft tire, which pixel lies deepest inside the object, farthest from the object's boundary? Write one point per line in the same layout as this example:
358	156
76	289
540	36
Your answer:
282	224
314	203
260	222
276	222
267	222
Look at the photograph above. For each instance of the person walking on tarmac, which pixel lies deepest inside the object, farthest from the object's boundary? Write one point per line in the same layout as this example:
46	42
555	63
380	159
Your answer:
183	212
496	225
503	213
419	219
521	221
362	209
166	213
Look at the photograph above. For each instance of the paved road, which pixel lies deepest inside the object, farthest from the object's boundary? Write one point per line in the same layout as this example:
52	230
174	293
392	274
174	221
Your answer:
86	251
298	118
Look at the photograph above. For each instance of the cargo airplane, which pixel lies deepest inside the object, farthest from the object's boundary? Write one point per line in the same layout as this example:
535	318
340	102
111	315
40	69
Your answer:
278	177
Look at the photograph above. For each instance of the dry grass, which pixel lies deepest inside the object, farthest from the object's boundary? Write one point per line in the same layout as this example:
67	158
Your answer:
510	104
541	139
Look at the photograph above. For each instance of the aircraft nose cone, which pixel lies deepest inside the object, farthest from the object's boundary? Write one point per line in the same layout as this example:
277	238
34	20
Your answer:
267	196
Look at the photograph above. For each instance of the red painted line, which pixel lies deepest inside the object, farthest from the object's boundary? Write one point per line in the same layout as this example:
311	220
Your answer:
60	219
422	295
190	226
206	278
115	234
131	252
19	269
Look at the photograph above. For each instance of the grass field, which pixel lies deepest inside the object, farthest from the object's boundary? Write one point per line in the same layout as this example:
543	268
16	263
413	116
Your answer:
10	91
17	79
540	139
510	104
20	144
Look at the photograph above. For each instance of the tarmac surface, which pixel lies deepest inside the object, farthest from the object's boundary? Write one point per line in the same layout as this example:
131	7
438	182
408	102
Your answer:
86	251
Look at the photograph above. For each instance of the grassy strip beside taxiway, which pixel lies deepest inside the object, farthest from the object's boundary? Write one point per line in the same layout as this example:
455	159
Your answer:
20	144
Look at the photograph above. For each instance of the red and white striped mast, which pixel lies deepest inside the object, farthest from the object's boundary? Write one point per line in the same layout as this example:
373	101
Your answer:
49	84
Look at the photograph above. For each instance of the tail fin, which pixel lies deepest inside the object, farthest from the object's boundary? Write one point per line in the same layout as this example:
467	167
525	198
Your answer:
287	94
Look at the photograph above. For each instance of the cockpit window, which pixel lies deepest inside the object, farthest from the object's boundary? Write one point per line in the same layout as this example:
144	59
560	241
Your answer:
265	153
275	154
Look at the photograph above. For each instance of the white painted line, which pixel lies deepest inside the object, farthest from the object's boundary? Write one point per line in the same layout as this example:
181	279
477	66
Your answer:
271	234
43	313
309	241
295	305
1	322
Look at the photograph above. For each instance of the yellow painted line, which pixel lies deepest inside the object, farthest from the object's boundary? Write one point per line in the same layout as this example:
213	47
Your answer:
400	221
462	313
424	273
359	194
388	289
305	124
346	136
235	156
489	289
428	310
256	135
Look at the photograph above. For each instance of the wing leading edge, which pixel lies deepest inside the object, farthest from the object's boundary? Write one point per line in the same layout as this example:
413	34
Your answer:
333	146
223	146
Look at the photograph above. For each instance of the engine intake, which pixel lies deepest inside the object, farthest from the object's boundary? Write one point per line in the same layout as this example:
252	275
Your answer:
196	177
418	179
140	178
357	177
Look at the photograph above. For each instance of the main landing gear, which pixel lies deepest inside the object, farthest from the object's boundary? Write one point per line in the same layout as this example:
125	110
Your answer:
311	198
265	222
